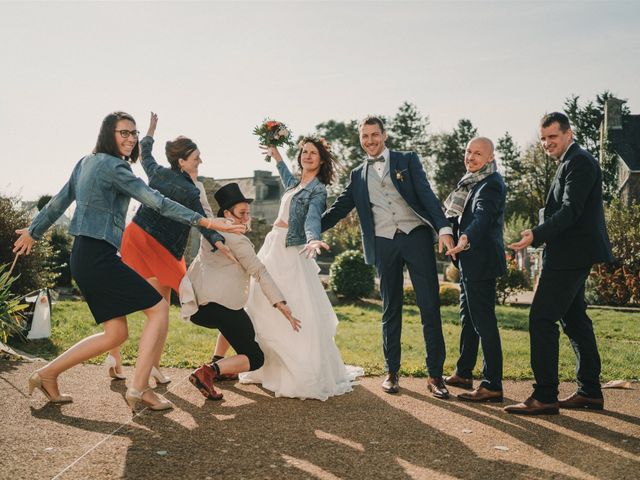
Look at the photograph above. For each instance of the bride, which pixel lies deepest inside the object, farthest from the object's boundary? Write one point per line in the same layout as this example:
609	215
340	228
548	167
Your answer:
304	364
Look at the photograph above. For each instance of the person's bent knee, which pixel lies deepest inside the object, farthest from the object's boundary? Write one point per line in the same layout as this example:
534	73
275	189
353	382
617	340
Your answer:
256	359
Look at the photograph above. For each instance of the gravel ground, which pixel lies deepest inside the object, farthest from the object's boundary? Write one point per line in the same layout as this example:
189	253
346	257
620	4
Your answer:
250	434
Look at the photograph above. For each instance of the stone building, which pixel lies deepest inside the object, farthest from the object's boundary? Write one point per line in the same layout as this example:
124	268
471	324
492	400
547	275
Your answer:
620	134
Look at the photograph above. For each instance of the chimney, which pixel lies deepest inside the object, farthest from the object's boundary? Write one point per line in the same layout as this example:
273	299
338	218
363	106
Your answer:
613	114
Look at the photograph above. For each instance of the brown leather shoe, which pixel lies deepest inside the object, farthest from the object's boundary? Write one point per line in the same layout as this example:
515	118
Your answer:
531	406
437	387
482	394
391	384
202	378
576	400
457	381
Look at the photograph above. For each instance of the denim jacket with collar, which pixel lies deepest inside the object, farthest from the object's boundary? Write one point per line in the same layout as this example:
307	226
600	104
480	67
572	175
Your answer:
102	186
306	208
179	187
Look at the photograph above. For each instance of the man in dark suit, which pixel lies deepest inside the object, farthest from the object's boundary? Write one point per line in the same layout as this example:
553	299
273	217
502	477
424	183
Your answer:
400	218
476	209
575	235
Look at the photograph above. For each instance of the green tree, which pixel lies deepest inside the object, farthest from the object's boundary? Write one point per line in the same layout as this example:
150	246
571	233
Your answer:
408	132
448	156
42	201
538	172
586	120
509	158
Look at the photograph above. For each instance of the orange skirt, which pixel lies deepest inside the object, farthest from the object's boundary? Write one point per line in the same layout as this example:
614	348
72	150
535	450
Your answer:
149	258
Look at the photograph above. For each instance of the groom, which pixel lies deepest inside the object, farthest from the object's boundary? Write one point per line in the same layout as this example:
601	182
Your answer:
401	219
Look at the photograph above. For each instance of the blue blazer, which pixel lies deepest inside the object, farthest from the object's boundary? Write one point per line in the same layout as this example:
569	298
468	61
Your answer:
482	222
409	178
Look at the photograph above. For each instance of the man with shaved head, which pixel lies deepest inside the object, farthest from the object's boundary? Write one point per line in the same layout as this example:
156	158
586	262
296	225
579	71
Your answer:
476	210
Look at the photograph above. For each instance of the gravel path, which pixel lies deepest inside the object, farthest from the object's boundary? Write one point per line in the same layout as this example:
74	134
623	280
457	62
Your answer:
366	434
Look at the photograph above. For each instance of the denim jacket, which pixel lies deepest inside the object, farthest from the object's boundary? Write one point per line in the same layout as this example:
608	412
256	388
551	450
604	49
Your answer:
306	207
179	187
102	186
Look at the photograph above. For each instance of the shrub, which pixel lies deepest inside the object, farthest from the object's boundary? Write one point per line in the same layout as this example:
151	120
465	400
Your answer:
350	277
34	271
452	274
449	295
619	283
512	282
409	295
345	235
10	320
61	243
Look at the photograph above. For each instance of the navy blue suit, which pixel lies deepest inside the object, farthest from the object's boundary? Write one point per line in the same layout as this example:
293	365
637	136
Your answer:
575	235
415	250
482	221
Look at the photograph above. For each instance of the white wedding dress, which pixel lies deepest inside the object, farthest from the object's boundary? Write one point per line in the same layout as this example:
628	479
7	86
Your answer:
307	363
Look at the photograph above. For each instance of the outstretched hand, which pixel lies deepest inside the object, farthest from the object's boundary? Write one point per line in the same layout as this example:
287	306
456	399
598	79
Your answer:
463	244
24	243
286	311
272	152
226	251
314	248
224	225
525	241
153	123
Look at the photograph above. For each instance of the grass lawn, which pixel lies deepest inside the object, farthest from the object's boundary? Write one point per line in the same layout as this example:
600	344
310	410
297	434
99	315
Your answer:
359	339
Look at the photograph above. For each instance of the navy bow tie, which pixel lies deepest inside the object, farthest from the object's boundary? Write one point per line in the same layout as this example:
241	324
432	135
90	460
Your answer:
371	161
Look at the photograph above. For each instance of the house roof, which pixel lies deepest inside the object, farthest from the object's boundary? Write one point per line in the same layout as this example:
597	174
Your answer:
626	142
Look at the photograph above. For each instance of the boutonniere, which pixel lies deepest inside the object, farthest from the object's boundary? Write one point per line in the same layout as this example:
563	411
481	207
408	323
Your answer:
399	175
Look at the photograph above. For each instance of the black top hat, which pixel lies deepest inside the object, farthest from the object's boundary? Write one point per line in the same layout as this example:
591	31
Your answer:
228	196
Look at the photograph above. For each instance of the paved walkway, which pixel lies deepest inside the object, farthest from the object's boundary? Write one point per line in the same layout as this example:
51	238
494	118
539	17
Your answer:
362	435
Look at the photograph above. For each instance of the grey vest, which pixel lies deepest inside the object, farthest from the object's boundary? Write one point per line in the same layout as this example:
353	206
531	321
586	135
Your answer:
390	211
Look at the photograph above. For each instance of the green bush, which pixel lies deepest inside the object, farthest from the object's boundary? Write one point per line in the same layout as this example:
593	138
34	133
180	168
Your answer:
10	320
34	271
449	295
61	243
619	283
512	282
409	295
345	235
350	277
452	274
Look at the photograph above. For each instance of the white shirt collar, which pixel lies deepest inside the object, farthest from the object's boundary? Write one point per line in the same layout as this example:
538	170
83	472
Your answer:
385	154
565	152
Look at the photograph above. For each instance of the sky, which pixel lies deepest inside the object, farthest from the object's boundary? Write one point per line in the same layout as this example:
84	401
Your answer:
214	70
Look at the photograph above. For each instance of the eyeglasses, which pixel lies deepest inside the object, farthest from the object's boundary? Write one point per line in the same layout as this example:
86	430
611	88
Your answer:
126	133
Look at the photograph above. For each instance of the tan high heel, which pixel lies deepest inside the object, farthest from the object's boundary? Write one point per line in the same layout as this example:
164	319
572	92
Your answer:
159	376
35	381
110	362
134	396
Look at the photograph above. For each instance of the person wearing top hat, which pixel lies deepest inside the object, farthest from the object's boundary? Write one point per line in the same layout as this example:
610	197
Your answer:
215	289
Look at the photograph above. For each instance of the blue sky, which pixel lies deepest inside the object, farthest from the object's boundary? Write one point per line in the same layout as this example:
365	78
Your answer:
213	70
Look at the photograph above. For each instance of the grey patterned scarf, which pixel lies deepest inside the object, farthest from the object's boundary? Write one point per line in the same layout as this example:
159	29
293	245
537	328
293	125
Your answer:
454	204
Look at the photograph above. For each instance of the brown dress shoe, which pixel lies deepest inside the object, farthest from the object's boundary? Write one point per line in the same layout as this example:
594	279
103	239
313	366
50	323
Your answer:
482	394
576	400
457	381
437	387
391	384
531	406
202	378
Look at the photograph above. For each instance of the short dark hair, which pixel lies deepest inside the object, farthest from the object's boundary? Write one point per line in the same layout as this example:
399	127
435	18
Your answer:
106	142
179	148
553	117
327	171
371	120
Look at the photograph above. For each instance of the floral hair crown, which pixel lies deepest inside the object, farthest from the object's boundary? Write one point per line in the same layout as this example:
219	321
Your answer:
321	140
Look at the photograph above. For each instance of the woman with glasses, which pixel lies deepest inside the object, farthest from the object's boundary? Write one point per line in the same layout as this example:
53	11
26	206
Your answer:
102	184
307	365
153	245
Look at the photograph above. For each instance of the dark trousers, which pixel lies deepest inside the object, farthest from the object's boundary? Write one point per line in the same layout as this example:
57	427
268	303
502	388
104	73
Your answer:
480	326
414	250
560	297
236	327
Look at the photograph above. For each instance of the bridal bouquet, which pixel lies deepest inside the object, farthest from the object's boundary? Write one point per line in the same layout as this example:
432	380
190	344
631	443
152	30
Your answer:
272	134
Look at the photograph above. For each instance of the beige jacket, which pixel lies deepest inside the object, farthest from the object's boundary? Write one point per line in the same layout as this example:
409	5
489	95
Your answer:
212	277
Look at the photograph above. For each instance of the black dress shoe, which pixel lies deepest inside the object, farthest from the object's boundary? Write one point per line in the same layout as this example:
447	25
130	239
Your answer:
391	384
482	394
580	401
457	381
531	406
437	387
